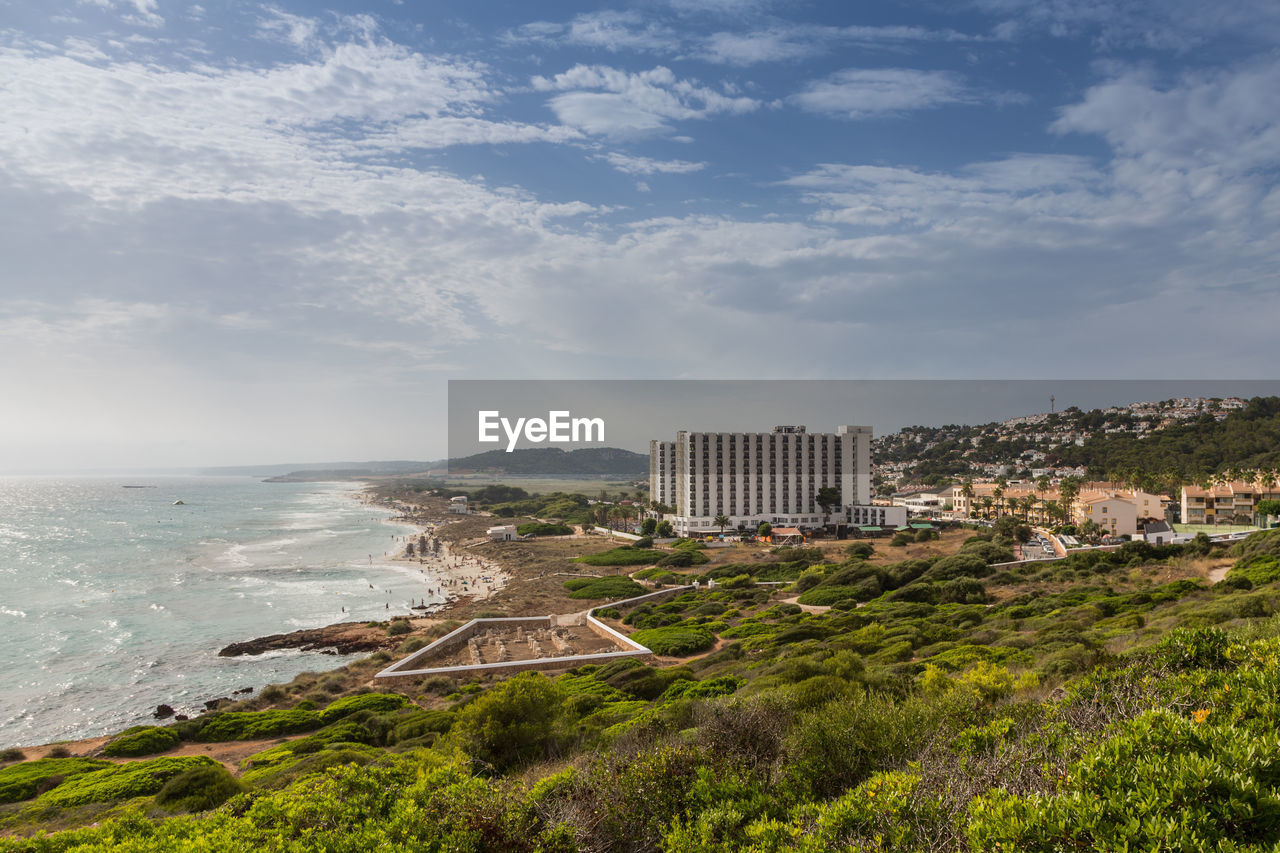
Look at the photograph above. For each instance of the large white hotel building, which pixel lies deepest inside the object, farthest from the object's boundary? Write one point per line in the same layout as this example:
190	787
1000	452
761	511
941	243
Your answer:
755	477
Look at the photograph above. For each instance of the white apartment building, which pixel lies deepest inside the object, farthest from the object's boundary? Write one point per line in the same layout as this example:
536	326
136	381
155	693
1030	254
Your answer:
761	476
662	468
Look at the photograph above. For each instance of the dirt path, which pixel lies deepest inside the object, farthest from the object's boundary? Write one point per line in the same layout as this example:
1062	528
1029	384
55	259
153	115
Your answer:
229	755
808	608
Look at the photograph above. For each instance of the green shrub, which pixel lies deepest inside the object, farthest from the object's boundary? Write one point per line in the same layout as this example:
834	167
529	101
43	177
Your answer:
518	721
1257	570
376	702
1194	648
141	740
675	641
251	725
23	781
121	781
198	789
988	551
684	559
540	529
419	724
398	627
624	555
12	754
827	595
617	586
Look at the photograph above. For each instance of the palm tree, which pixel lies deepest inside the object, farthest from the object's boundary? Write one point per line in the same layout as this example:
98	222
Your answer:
723	522
986	505
1068	490
966	491
998	494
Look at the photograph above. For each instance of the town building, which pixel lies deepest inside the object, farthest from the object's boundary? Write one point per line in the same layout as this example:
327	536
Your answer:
1227	503
760	477
1116	509
503	533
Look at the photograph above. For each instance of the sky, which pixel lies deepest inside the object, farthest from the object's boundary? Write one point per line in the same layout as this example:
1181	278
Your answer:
237	232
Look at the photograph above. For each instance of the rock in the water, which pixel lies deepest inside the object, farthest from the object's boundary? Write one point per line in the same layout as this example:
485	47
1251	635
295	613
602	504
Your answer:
243	690
215	704
163	712
180	717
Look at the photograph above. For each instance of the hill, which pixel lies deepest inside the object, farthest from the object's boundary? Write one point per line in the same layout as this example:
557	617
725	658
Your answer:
1166	442
552	462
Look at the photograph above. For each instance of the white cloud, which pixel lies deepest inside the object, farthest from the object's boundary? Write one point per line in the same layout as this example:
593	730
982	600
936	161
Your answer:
630	165
868	92
615	31
782	42
144	12
603	100
279	25
1178	25
1224	119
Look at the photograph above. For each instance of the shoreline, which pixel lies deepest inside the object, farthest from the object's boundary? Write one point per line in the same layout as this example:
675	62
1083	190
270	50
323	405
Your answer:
451	575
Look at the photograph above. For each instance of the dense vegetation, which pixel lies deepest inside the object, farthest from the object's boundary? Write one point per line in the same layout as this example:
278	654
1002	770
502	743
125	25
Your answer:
1107	701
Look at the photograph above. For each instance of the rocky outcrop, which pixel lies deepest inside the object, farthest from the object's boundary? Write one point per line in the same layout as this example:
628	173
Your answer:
345	639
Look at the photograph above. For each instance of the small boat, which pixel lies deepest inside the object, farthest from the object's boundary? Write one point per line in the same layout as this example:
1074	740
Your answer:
179	503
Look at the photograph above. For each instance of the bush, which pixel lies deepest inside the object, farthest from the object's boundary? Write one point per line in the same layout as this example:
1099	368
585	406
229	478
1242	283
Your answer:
398	627
540	529
198	789
963	565
252	725
683	559
23	781
643	542
121	781
622	556
828	595
519	721
675	641
12	754
962	591
1194	648
988	551
610	587
378	703
862	550
141	740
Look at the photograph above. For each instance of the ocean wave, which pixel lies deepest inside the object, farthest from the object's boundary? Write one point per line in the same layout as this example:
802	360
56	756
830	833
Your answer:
7	612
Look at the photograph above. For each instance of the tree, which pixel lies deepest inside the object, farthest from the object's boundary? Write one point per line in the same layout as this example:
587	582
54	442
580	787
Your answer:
723	522
1266	509
648	526
998	494
764	529
664	530
827	497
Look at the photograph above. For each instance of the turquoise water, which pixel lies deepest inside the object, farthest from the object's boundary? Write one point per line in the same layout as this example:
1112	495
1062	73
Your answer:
114	600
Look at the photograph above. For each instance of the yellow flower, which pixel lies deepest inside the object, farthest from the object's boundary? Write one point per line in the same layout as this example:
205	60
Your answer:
1201	715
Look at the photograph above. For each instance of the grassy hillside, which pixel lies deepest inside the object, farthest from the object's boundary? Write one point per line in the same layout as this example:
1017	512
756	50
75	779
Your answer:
931	703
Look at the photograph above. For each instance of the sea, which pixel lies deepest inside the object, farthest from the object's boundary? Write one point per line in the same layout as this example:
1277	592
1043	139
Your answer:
114	598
